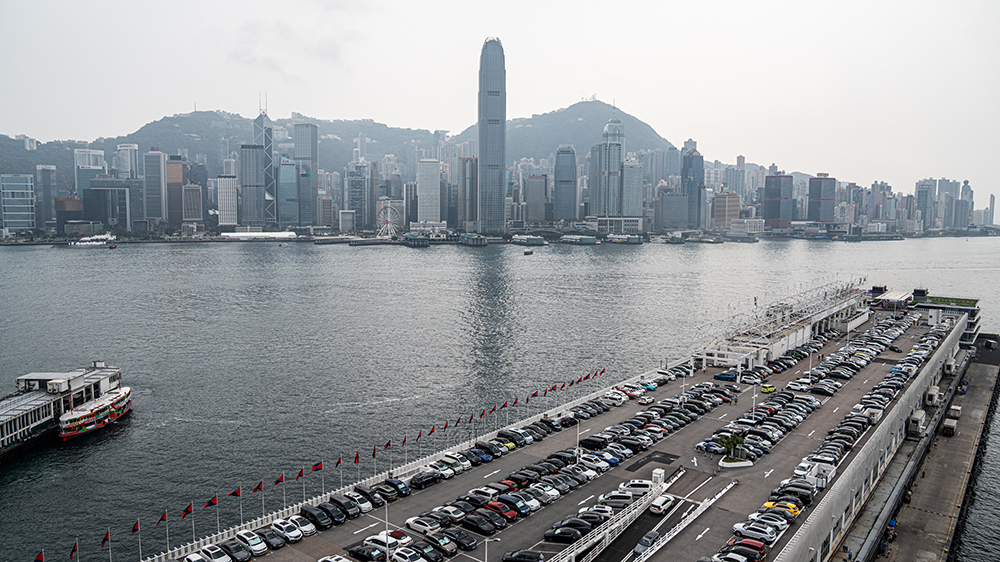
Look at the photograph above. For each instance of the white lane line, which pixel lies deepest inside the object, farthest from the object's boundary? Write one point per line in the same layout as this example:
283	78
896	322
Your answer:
584	431
723	415
768	473
492	473
586	500
811	433
698	538
366	528
699	487
866	381
835	409
825	400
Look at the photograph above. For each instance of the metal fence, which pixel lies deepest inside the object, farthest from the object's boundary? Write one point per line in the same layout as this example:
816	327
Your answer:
682	524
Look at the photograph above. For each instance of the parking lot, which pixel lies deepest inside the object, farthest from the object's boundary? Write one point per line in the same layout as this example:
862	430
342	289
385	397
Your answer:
702	478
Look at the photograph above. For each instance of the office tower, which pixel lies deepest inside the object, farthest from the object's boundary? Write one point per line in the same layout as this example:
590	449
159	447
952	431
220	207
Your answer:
822	193
127	161
467	203
252	161
307	159
606	171
534	199
735	180
192	204
947	187
632	189
347	220
177	178
409	203
989	216
17	203
564	195
222	152
778	201
87	165
673	163
229	167
693	185
227	195
671	211
358	194
725	208
45	193
924	194
263	134
154	165
967	192
428	190
492	137
115	202
741	163
288	192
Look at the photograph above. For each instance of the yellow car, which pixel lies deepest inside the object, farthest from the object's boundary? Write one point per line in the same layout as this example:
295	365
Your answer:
766	388
790	508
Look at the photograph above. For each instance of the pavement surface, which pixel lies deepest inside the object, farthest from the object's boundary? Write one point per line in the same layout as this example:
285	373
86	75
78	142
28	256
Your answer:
702	480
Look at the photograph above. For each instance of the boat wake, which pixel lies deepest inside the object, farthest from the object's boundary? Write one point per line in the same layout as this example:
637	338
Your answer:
371	403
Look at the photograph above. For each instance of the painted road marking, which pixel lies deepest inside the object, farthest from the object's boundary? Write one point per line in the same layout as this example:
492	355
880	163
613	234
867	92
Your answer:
835	409
723	415
811	433
492	473
698	538
699	487
768	473
695	461
866	381
586	500
366	528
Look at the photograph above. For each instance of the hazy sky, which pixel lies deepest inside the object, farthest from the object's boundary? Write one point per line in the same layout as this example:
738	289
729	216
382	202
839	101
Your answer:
890	91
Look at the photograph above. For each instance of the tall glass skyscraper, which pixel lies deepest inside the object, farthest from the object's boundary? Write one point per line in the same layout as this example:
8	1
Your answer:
564	194
492	137
263	133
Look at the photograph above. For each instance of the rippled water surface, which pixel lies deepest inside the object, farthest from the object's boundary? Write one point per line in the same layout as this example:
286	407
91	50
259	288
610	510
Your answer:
248	360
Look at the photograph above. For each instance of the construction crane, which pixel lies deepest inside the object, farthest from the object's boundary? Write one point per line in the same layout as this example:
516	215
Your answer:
71	190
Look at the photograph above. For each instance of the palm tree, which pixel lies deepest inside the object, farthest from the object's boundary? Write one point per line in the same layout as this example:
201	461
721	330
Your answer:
730	442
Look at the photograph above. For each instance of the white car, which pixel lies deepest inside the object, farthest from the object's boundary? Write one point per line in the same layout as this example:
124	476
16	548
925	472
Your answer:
423	525
802	387
380	542
441	468
547	490
803	470
524	435
662	504
755	530
405	555
485	493
307	528
333	558
594	463
771	519
194	557
602	509
363	504
254	543
466	464
287	531
456	515
213	553
588	473
636	486
529	500
619	448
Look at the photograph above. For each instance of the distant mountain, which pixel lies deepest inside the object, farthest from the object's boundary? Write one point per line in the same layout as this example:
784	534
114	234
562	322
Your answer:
580	124
200	132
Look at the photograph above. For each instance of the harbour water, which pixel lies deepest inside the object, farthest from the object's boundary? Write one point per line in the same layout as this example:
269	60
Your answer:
250	360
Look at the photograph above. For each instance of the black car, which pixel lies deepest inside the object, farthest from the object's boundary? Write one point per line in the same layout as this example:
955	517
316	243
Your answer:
424	479
495	518
346	505
475	501
565	535
427	551
551	423
474	459
333	512
592	517
573	523
465	506
479	524
400	487
271	539
317	517
567	421
236	551
461	538
523	556
441	518
366	553
387	492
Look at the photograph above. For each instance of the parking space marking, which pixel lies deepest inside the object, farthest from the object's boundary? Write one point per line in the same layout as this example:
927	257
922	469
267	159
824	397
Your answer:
698	538
723	415
492	473
811	433
586	500
366	528
768	473
835	409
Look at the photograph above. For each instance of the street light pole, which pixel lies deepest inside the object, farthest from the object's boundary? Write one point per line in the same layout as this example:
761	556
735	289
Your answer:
486	548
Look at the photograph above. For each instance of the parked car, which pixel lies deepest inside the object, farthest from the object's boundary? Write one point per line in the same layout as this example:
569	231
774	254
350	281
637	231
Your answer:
564	535
287	531
253	542
271	539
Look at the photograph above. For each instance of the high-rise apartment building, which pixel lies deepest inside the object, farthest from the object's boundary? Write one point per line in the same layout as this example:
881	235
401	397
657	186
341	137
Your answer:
822	198
564	206
87	165
725	208
429	190
263	135
154	164
948	187
492	137
17	203
307	159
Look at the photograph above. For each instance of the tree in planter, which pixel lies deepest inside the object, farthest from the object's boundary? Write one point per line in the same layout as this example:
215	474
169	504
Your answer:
729	443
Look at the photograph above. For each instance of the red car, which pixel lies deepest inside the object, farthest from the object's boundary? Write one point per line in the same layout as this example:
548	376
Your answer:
503	510
510	484
748	543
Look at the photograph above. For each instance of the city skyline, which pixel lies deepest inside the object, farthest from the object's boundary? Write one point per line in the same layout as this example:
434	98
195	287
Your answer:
891	110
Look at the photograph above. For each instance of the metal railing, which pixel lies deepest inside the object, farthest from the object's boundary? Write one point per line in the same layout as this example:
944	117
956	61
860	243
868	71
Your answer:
682	524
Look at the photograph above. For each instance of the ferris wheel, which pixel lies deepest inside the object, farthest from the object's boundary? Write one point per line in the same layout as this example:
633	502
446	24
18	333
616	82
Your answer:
390	222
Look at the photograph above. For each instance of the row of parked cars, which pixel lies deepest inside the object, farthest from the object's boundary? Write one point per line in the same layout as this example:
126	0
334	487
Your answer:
762	426
760	373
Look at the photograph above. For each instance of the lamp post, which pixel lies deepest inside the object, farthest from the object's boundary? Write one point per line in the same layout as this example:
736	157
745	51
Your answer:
486	548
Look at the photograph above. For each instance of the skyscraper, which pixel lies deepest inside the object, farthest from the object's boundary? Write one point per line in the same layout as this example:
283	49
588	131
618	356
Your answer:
606	171
154	164
534	199
492	137
306	150
263	133
127	161
564	194
252	185
778	201
468	192
87	165
822	192
228	197
429	190
632	189
693	185
288	192
17	203
45	193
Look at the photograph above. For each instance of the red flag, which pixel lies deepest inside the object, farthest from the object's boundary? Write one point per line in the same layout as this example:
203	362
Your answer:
338	461
356	456
404	441
431	432
317	466
73	552
302	472
459	420
527	399
494	408
563	386
596	373
40	557
546	392
579	381
482	414
445	426
213	501
602	371
587	377
107	537
187	511
161	519
472	417
553	388
387	445
420	434
280	479
258	488
373	451
504	405
235	492
515	400
535	395
135	527
571	383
